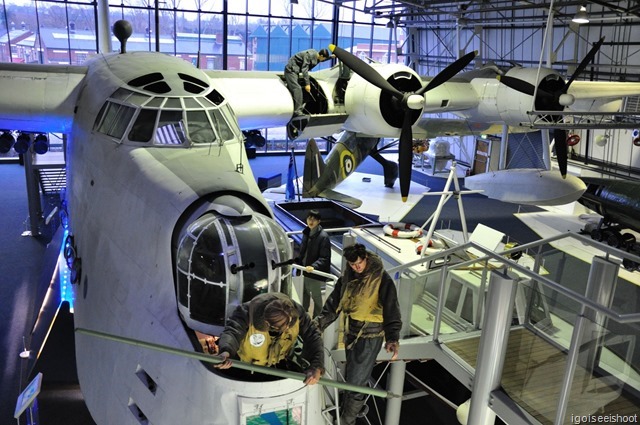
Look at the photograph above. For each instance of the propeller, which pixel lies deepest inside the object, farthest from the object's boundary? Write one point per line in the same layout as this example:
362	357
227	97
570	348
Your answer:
554	97
408	102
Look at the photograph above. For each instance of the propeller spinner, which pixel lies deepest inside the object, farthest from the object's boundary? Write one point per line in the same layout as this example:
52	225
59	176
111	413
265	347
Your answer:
554	97
407	101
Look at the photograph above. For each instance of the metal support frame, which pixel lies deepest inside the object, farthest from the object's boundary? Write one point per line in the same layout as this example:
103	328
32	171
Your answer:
601	284
33	191
493	347
445	195
395	385
103	27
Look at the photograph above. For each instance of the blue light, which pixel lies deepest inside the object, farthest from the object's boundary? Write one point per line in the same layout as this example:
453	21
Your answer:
66	291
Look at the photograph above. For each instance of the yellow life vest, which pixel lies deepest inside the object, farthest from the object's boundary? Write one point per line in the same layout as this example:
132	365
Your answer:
258	347
360	299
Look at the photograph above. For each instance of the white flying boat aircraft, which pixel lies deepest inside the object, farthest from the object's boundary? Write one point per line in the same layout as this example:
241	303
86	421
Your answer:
168	231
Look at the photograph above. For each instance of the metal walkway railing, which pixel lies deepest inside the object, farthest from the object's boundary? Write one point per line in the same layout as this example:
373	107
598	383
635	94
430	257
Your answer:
577	349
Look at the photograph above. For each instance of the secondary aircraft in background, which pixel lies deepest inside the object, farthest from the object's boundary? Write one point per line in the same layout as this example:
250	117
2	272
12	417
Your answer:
527	186
349	151
378	100
486	100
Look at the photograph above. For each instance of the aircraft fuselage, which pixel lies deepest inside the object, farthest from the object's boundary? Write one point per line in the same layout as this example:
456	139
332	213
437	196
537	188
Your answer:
139	210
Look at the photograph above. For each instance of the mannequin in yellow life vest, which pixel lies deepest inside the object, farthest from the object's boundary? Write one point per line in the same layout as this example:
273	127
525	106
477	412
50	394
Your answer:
264	331
366	296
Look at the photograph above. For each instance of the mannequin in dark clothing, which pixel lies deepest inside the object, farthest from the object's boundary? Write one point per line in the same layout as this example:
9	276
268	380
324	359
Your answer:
301	63
315	254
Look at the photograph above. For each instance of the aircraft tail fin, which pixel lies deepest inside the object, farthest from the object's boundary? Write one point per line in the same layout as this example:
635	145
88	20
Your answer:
313	167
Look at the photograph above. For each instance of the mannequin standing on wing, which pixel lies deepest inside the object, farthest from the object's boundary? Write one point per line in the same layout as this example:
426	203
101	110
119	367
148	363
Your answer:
301	63
315	254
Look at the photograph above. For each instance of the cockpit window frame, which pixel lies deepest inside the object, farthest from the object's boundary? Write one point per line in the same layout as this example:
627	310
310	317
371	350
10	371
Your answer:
220	120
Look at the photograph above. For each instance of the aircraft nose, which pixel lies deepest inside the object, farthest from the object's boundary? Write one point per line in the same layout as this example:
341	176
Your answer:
224	260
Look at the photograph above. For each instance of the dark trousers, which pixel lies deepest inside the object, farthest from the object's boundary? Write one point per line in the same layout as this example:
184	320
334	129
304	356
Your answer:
296	90
361	359
312	290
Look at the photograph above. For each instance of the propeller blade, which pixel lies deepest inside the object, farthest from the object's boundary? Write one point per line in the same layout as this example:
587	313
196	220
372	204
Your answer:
449	72
587	59
560	137
405	156
364	70
518	85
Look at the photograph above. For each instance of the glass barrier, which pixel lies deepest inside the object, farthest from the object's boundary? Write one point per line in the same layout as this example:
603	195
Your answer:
573	351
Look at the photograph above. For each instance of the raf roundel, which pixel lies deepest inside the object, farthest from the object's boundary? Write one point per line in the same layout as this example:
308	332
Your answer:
347	164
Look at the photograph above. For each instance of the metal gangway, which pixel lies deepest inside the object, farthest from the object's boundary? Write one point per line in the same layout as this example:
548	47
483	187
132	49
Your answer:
537	335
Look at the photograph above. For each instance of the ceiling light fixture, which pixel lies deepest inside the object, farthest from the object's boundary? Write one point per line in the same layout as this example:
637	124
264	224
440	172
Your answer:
581	17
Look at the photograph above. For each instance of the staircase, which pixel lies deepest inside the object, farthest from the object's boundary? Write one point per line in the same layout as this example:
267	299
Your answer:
52	179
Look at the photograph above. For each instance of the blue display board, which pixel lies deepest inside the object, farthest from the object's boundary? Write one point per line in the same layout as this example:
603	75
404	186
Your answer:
27	396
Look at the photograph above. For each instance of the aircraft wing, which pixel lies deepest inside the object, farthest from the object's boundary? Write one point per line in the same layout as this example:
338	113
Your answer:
259	98
428	127
39	97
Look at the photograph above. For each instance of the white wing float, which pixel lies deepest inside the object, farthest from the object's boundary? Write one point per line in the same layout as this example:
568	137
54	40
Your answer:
528	186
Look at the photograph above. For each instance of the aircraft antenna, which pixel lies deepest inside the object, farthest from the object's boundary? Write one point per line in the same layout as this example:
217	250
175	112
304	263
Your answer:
122	30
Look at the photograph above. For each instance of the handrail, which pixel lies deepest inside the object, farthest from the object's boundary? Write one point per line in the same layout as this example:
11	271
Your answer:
318	272
337	229
237	364
489	255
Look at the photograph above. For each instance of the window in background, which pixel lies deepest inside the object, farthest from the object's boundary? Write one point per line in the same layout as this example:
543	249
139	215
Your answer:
261	35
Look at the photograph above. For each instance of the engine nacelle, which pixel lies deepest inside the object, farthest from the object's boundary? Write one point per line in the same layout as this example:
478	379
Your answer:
501	104
373	111
513	105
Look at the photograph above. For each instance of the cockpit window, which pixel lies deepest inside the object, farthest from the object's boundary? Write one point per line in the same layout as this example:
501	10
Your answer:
139	119
121	94
191	103
222	125
200	130
138	99
155	102
142	129
170	129
174	103
115	119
